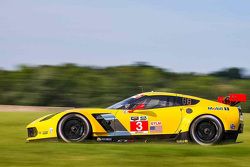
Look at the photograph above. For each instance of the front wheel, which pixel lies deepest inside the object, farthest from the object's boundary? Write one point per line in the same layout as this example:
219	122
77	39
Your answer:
206	130
74	128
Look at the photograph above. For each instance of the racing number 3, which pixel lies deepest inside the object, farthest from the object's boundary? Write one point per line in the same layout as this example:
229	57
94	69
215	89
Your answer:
138	126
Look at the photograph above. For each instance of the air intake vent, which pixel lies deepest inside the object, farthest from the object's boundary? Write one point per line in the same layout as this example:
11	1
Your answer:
32	132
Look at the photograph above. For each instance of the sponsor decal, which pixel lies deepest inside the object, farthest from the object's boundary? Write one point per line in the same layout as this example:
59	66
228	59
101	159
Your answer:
134	118
155	123
50	130
143	118
45	132
139	125
156	127
215	108
104	139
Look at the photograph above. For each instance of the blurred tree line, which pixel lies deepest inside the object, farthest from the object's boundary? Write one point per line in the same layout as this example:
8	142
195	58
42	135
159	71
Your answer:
72	85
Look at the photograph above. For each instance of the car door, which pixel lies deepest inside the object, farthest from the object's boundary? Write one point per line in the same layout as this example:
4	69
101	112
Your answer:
151	115
134	119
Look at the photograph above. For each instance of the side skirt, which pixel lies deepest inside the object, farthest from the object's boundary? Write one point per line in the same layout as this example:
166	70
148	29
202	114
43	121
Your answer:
182	137
179	138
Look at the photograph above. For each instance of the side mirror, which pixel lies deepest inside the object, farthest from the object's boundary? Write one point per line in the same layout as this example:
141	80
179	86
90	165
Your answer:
139	107
127	106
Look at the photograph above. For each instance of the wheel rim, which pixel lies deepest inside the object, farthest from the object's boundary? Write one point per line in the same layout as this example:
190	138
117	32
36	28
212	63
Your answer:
206	131
73	129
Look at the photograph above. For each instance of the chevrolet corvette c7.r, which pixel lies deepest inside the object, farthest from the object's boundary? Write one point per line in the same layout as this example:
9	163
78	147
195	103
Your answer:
147	116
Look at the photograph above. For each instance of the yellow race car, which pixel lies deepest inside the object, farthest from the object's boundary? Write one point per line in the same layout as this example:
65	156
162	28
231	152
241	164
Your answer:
147	116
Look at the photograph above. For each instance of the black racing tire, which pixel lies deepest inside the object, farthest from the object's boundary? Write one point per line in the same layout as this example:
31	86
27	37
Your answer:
206	130
74	128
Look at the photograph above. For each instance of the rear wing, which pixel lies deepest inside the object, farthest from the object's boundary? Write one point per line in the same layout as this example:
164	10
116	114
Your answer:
232	99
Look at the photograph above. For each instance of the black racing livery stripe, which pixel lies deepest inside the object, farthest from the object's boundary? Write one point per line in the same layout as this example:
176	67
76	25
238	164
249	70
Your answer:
109	122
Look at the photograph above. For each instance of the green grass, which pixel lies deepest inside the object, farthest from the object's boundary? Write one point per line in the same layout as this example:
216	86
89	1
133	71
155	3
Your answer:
14	151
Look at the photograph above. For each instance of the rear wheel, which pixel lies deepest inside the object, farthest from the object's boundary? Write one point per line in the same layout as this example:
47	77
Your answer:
74	128
206	130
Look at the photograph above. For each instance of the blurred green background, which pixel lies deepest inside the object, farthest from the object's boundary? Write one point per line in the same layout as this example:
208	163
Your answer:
77	86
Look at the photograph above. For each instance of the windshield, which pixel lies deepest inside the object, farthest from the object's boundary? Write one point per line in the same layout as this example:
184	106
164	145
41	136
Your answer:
122	104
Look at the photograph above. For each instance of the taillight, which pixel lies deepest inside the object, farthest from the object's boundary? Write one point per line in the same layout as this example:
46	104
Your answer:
240	113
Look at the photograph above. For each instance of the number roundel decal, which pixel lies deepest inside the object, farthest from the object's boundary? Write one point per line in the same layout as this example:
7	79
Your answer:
139	124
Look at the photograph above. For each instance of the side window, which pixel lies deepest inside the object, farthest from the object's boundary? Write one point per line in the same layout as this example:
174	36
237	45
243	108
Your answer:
159	102
135	103
183	101
162	102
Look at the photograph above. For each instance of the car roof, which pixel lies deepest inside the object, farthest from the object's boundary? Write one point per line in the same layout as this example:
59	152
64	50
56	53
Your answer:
168	94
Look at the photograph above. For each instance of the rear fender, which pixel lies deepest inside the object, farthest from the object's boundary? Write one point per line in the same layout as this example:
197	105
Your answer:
188	120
